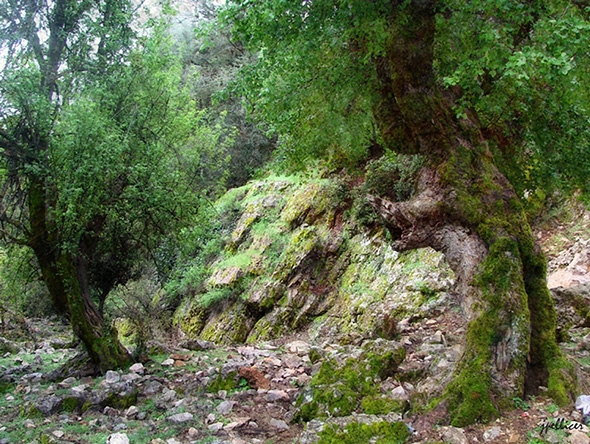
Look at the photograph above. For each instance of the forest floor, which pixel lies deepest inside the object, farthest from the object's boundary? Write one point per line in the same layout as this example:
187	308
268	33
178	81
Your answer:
185	397
206	393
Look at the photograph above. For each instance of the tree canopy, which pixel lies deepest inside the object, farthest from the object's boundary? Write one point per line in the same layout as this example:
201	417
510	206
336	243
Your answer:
519	66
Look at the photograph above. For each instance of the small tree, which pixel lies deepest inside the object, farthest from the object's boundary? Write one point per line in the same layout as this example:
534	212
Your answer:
100	147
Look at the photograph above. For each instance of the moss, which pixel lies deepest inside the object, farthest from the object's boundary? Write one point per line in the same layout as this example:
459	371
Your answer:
228	382
271	326
120	401
300	205
544	350
385	365
314	355
242	230
358	433
302	243
472	394
127	331
339	389
231	198
470	401
306	412
501	222
231	326
70	404
241	260
86	406
377	405
193	323
30	411
560	381
6	387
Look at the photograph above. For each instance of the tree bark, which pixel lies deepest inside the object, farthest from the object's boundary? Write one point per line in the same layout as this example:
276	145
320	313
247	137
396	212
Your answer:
465	208
65	273
66	278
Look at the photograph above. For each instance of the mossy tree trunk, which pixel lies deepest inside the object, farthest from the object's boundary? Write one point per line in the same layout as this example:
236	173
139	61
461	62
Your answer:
66	277
64	271
465	208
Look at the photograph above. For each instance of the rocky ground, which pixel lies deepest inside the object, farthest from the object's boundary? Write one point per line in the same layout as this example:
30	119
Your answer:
203	393
263	392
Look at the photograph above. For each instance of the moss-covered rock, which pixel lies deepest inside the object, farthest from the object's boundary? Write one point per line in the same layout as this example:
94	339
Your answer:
192	318
360	433
300	205
225	382
342	387
30	411
121	401
71	404
230	325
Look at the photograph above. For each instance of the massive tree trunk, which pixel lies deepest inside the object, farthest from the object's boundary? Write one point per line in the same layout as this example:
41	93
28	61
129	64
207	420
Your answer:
465	208
66	277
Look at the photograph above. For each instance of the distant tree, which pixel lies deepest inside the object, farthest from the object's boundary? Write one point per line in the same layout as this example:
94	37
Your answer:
213	63
100	149
485	92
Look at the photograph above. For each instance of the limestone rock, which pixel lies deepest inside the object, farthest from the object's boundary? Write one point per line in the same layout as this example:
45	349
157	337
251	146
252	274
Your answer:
118	438
279	424
49	405
112	377
225	407
131	412
578	437
454	435
181	417
197	345
492	433
277	395
225	276
216	427
137	368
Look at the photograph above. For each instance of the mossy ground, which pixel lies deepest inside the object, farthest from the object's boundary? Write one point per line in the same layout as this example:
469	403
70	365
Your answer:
359	433
339	389
306	260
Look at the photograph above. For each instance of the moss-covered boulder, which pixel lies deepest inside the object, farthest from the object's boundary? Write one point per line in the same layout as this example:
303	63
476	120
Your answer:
290	264
345	385
379	432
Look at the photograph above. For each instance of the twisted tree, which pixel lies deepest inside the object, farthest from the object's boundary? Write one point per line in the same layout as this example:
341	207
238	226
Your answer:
381	71
100	146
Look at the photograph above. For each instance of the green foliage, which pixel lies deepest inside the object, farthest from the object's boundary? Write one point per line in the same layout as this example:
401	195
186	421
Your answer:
187	257
393	176
103	151
129	149
293	84
216	295
141	307
519	65
520	404
21	288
